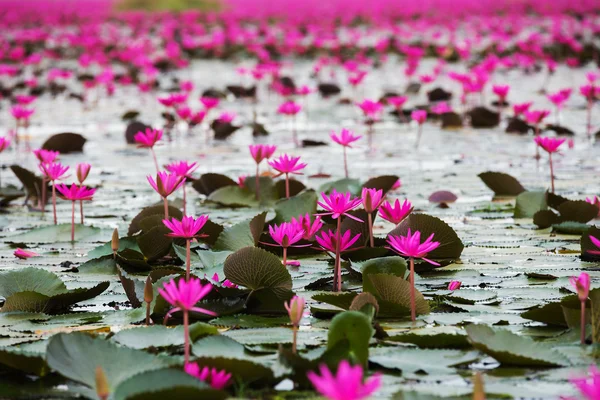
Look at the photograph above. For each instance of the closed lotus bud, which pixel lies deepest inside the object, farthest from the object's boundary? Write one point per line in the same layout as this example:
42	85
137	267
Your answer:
454	285
148	291
102	388
295	309
83	170
114	244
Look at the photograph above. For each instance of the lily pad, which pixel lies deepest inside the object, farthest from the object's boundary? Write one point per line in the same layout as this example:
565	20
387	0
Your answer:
135	227
57	233
210	182
502	184
587	245
65	143
384	182
355	328
77	355
511	349
243	234
529	203
577	211
165	384
305	203
233	196
161	336
38	290
393	295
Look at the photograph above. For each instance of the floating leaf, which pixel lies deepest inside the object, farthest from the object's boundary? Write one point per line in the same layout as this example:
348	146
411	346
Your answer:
165	384
577	211
343	185
305	203
134	227
296	187
384	182
393	295
57	233
450	245
233	196
65	143
587	245
132	129
529	203
393	265
442	196
342	300
210	182
570	228
126	242
243	234
545	219
268	193
23	359
354	327
154	244
38	290
31	183
161	336
511	349
429	361
470	296
439	337
502	184
256	268
77	355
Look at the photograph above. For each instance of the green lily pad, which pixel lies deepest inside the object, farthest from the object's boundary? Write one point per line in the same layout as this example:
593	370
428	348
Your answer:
393	295
340	299
244	234
305	203
154	243
57	233
77	355
511	349
165	384
233	196
502	184
429	361
126	242
210	182
38	290
437	337
384	182
342	186
393	265
577	211
529	203
256	268
22	358
355	328
161	336
158	210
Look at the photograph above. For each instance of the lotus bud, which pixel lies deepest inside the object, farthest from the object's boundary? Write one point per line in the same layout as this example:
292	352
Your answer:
114	244
148	291
295	309
102	388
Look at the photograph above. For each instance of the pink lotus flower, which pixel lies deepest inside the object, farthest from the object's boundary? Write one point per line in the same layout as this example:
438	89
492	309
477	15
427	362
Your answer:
184	113
397	185
371	109
165	183
339	204
594	201
581	285
419	116
329	240
411	246
371	199
397	101
287	165
209	102
549	144
521	108
347	384
24	254
82	171
197	118
454	285
426	78
226	117
356	78
501	91
24	99
54	171
148	138
226	283
345	137
309	228
261	152
589	386
536	116
216	379
286	234
75	192
21	113
4	143
187	228
183	169
596	243
304	90
441	108
46	156
289	108
186	86
183	295
396	213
